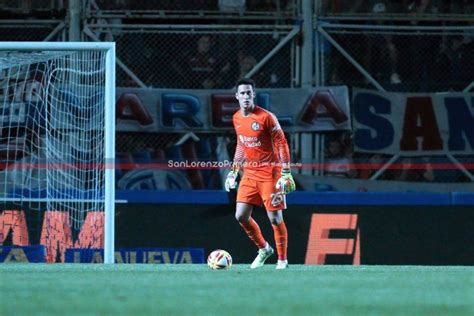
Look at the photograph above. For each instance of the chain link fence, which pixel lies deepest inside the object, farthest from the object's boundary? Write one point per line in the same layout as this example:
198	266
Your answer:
397	58
194	59
406	61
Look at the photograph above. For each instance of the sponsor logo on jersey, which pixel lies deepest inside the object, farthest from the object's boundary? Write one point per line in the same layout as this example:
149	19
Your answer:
250	141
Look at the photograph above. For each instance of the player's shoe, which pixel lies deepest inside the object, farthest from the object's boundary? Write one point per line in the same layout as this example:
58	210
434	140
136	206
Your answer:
263	255
282	264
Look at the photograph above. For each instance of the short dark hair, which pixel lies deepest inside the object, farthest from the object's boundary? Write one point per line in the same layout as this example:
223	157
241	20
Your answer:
246	82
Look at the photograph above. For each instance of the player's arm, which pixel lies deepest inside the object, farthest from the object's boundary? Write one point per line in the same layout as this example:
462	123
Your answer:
231	180
238	158
285	184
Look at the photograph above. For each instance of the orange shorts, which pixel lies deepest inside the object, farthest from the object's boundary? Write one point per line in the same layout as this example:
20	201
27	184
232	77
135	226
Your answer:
261	192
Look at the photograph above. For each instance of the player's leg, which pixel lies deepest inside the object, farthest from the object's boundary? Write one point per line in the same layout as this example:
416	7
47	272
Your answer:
281	237
243	214
275	203
247	197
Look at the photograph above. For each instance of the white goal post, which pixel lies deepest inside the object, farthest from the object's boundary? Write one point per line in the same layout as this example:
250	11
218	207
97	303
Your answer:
57	130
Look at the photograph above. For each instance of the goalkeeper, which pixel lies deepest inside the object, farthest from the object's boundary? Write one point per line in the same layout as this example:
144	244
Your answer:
262	152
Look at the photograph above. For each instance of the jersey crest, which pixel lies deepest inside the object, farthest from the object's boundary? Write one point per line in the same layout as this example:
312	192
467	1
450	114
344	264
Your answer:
255	126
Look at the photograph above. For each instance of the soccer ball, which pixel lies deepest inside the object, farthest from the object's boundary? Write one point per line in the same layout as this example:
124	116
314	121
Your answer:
219	259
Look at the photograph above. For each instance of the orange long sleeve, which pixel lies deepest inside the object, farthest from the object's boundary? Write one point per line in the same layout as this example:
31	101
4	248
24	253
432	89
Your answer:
280	144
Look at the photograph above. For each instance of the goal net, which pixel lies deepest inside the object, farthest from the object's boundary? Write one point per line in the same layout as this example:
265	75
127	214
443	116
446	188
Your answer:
57	146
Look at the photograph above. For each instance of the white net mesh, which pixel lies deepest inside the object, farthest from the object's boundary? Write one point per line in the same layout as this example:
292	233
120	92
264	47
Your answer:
52	131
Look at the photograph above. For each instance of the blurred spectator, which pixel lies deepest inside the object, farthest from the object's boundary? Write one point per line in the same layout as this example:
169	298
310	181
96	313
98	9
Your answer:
418	53
428	173
202	64
454	52
406	171
375	163
338	160
113	4
468	36
270	5
31	9
116	22
342	6
441	169
262	5
448	64
339	70
433	169
246	63
382	54
26	6
232	6
467	64
460	7
204	69
110	29
419	169
261	77
228	45
417	7
150	60
378	7
468	7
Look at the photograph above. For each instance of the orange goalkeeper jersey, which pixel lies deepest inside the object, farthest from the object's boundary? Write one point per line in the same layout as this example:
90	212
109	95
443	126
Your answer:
261	144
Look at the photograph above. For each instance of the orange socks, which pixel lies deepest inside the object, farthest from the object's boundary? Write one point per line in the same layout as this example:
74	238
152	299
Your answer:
253	231
281	236
281	240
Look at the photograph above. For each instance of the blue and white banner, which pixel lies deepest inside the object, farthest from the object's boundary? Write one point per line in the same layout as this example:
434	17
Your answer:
413	124
138	255
9	254
164	110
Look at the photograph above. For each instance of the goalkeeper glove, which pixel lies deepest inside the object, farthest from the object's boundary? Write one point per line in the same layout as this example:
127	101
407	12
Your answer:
286	184
231	180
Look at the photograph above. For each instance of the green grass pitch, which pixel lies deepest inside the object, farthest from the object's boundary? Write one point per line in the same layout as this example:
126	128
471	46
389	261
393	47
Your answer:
85	289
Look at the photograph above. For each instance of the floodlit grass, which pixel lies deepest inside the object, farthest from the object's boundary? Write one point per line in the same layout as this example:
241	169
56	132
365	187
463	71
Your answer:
85	289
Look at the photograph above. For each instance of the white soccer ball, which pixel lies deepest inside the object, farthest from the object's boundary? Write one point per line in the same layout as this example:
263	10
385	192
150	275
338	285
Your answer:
219	259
